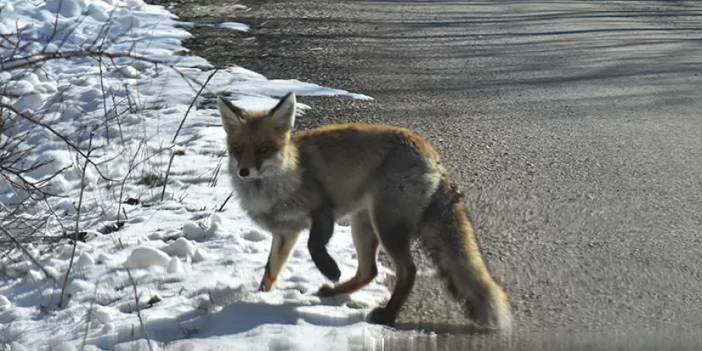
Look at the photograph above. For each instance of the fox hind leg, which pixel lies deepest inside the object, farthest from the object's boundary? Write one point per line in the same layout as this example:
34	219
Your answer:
394	233
366	244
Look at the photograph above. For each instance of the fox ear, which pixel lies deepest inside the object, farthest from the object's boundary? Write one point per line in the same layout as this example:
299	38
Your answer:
231	115
284	112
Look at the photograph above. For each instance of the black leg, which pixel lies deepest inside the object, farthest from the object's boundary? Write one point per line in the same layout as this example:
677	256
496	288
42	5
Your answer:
320	233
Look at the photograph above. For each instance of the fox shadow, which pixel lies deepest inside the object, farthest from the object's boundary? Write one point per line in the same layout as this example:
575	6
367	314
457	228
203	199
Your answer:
466	329
239	317
243	316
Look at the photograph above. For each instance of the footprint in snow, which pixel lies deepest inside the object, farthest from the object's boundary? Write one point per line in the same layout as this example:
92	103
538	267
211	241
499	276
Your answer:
254	236
356	305
298	279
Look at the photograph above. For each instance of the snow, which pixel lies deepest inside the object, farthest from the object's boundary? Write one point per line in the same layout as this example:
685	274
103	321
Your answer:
5	304
302	336
196	268
235	26
194	231
181	247
84	261
145	257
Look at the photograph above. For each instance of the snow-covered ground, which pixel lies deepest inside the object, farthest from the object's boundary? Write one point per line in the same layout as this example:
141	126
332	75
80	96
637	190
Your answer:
196	269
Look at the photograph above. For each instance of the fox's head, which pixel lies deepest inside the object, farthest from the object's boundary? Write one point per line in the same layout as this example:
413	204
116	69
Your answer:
259	142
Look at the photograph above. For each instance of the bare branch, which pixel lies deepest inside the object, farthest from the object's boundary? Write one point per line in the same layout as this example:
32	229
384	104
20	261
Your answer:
32	60
104	100
56	133
138	310
28	254
221	208
192	103
124	180
168	172
77	229
89	318
55	27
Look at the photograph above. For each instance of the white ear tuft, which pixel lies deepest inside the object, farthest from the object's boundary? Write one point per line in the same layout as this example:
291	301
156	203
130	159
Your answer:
284	112
231	115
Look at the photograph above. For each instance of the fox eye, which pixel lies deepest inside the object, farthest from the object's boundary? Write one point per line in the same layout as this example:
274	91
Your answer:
236	149
264	149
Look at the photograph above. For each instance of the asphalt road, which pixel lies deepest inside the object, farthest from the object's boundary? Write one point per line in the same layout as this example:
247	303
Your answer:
575	128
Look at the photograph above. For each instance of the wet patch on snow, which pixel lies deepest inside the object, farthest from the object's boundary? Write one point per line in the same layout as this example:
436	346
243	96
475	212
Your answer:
234	26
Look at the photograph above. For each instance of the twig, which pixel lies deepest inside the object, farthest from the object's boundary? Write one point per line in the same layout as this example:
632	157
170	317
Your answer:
75	234
55	27
104	99
26	252
119	123
168	172
138	310
192	103
89	318
74	27
215	174
31	60
182	121
221	208
104	30
56	216
56	133
124	180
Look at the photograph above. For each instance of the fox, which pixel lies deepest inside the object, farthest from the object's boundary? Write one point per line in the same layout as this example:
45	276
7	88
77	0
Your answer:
388	181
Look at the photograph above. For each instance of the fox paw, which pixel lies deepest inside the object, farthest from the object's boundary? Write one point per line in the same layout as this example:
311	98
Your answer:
326	291
266	284
328	267
381	315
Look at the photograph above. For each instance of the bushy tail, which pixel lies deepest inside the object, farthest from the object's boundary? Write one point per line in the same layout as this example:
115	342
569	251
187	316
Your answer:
448	237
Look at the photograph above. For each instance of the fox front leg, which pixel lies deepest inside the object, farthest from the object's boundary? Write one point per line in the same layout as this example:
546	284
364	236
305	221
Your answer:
281	245
320	232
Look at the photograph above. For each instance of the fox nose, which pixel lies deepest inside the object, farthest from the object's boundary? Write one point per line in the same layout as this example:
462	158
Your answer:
244	172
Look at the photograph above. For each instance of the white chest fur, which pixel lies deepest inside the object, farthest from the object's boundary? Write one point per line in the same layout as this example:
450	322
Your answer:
277	204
